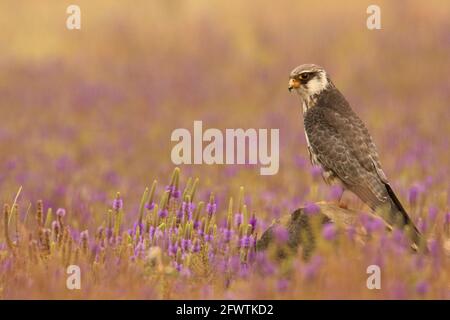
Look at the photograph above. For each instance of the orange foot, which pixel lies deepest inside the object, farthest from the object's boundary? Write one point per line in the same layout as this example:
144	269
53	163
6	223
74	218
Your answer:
343	204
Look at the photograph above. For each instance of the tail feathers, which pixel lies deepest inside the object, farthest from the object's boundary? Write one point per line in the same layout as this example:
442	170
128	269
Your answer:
405	220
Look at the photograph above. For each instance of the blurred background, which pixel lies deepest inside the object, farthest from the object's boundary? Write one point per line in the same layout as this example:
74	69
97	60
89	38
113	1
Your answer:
85	113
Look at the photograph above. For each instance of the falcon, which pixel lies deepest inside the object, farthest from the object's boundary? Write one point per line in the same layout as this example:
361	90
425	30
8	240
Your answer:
339	143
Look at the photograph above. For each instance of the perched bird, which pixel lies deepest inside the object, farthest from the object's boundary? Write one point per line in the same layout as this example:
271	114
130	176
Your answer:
341	145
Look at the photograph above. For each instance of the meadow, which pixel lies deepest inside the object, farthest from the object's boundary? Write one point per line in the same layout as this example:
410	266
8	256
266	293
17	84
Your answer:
86	174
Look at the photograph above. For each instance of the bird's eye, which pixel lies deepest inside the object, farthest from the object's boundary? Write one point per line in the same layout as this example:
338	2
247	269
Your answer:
304	76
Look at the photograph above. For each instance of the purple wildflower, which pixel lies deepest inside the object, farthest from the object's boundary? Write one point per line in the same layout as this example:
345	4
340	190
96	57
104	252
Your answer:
377	224
301	161
316	172
109	233
138	225
117	204
335	192
432	213
185	244
185	272
422	287
163	213
188	208
84	235
178	266
234	263
95	249
419	262
311	208
100	231
176	194
196	246
139	249
130	232
227	234
56	227
152	232
281	233
312	268
263	264
400	240
173	192
398	236
171	189
329	231
209	237
434	248
282	285
150	206
158	233
253	221
61	212
200	231
211	209
182	209
244	270
238	217
414	193
245	242
180	212
172	249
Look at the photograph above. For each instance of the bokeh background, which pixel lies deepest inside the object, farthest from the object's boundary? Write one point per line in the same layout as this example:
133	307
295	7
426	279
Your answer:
89	112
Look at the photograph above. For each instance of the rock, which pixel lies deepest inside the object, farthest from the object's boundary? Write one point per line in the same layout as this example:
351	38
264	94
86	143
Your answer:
303	227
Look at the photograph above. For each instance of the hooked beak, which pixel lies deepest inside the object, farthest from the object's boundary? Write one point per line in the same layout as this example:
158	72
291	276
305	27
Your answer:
293	84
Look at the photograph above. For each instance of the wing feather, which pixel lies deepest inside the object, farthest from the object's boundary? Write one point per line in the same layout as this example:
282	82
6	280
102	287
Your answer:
357	138
341	146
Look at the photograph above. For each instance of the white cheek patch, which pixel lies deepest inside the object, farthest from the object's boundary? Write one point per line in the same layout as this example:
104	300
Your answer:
317	84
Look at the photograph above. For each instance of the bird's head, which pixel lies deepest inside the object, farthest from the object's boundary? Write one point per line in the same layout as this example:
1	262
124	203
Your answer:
308	80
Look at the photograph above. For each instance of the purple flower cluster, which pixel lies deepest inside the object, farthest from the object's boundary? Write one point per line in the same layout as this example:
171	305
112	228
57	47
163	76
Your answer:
117	204
211	209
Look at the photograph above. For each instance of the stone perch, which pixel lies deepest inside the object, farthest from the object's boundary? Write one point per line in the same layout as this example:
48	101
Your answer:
300	226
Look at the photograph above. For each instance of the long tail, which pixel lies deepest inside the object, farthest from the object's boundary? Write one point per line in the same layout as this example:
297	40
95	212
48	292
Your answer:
405	220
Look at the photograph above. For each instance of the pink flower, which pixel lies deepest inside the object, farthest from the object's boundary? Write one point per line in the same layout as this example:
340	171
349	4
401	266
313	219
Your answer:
329	231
